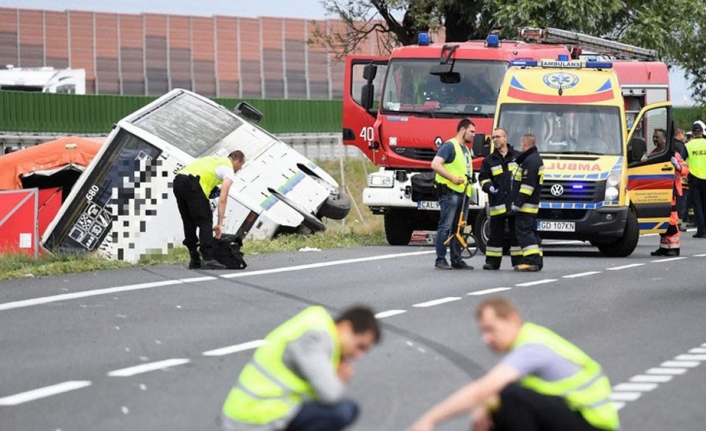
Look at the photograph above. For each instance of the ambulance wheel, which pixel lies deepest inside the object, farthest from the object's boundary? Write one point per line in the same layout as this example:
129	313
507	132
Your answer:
310	220
398	226
335	207
625	245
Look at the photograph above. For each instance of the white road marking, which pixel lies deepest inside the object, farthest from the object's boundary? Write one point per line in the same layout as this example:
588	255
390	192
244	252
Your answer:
488	291
583	274
680	364
632	387
625	396
700	255
437	302
388	313
97	292
236	348
324	264
669	259
691	358
145	368
534	283
698	350
668	371
128	288
44	392
642	378
617	268
618	406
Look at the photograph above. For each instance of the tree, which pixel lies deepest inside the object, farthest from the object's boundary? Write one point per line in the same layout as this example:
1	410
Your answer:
675	29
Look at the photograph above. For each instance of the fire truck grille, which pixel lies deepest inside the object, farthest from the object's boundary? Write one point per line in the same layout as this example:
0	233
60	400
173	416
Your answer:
416	153
573	191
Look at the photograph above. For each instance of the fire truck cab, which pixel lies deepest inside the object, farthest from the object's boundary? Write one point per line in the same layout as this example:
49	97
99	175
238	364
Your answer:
399	109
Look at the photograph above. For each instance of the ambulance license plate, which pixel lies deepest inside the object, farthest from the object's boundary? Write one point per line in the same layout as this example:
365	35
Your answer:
428	205
556	226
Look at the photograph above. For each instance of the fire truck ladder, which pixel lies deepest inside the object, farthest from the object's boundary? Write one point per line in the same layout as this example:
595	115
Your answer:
613	49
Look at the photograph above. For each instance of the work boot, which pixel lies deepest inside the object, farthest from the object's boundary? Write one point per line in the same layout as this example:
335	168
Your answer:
523	267
442	264
671	252
461	265
195	259
212	264
490	267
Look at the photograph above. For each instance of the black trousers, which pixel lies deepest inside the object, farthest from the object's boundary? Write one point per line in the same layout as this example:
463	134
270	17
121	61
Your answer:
195	211
524	410
502	237
528	239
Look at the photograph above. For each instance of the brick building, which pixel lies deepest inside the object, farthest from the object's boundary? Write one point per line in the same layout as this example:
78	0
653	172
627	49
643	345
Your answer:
149	54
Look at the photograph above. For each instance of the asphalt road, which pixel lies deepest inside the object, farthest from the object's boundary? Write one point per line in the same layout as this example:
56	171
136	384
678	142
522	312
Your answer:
159	348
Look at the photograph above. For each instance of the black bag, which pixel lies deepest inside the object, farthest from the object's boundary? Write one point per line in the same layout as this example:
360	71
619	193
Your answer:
226	251
424	187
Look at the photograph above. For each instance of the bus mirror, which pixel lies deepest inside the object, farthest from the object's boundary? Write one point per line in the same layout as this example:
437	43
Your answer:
369	72
366	96
244	109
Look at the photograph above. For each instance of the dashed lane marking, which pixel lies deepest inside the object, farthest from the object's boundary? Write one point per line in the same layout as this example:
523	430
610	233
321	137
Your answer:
668	259
625	396
582	274
617	268
437	302
145	368
236	348
536	282
389	313
489	291
680	364
667	371
642	378
44	392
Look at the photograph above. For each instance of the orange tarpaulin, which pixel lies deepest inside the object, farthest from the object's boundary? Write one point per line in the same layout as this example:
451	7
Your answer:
71	152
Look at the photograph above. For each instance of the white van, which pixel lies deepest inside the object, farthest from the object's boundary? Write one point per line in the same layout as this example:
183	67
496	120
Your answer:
123	205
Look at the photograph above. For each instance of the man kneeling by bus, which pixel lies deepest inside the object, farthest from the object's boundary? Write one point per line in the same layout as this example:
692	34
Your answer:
543	383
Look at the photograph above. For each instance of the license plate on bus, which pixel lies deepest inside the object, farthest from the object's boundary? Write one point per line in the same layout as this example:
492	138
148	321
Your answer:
556	226
428	205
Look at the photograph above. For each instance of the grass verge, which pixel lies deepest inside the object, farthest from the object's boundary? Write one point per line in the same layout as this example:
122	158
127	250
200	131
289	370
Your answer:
360	228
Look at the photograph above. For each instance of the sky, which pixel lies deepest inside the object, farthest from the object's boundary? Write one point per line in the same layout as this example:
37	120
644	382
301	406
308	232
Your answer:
308	9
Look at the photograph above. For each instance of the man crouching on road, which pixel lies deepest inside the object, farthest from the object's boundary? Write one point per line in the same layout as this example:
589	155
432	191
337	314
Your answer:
296	381
543	383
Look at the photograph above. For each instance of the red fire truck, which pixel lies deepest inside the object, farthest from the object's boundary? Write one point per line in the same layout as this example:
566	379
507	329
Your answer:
399	109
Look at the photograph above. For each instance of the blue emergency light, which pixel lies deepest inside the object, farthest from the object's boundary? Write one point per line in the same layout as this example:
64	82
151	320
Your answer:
492	41
523	63
563	57
599	64
423	39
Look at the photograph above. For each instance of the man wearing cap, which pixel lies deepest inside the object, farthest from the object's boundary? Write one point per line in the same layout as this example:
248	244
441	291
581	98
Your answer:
695	156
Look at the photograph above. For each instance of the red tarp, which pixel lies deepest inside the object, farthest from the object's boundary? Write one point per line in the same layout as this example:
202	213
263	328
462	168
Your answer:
18	222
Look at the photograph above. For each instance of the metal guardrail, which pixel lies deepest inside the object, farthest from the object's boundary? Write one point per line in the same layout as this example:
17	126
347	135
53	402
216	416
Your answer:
320	146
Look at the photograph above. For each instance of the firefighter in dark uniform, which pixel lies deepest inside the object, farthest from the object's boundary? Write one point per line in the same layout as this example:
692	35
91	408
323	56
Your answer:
495	178
526	190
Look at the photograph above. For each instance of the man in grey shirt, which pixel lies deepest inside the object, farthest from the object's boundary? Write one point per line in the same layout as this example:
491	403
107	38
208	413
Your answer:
296	381
544	382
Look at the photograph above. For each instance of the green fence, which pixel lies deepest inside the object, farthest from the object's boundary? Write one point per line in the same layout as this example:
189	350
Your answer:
96	114
69	113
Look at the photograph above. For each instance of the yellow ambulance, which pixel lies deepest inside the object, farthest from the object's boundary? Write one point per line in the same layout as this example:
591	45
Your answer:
604	131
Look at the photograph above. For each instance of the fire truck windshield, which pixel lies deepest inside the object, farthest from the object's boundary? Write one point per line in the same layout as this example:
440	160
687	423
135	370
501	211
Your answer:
411	89
566	129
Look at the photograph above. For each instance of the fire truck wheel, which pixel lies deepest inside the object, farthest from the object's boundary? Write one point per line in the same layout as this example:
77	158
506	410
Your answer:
398	228
310	220
482	230
335	207
625	245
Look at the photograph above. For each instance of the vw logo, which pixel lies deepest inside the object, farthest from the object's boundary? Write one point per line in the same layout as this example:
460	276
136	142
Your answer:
557	190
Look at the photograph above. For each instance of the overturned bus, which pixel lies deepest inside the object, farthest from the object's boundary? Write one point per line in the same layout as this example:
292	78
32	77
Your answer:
123	206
